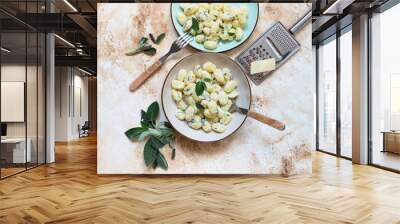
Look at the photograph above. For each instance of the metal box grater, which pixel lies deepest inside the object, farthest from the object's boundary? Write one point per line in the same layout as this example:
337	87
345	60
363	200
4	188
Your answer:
277	42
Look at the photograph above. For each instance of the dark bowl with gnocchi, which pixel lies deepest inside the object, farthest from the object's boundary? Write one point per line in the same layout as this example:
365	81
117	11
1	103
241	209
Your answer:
198	93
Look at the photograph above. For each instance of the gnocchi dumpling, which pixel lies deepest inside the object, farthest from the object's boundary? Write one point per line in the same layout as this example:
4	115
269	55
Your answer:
180	115
178	85
210	44
176	95
218	127
210	110
230	86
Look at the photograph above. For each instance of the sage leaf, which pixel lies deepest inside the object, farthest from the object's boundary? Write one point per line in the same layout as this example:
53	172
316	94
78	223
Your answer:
147	49
165	139
158	135
152	111
144	119
150	154
207	80
200	87
155	142
171	144
142	41
165	125
160	38
152	38
150	51
173	154
134	133
162	162
155	163
195	24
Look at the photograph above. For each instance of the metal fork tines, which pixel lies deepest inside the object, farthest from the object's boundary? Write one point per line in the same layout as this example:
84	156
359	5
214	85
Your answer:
178	44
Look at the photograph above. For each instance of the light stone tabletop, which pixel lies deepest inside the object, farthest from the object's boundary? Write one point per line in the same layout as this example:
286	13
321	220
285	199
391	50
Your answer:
287	95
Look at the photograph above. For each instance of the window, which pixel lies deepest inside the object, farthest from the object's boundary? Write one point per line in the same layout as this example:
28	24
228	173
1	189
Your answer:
346	76
327	96
385	89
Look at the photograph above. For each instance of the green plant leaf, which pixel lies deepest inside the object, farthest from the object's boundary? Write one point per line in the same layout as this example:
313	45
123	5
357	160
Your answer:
160	38
172	146
165	139
147	49
156	143
200	87
143	135
158	136
152	111
142	41
199	106
152	38
144	119
165	125
155	132
195	24
173	154
150	154
207	80
150	51
134	133
162	162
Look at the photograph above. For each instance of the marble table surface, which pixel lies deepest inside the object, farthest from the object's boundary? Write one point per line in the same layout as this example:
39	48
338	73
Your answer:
287	95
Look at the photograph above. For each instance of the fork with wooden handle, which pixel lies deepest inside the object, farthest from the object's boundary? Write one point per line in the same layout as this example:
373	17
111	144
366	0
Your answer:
259	117
177	45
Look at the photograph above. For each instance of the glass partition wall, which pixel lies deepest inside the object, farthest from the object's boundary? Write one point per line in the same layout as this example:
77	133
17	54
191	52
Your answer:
334	93
327	95
385	89
22	88
345	91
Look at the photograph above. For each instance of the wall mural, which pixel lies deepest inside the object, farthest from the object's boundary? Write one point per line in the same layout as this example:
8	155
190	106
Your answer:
205	88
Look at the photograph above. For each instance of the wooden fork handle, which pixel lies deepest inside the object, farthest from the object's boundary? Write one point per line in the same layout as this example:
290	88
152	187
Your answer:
145	75
267	120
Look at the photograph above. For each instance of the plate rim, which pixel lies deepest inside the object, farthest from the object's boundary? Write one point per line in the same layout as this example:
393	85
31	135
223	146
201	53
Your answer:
244	41
192	55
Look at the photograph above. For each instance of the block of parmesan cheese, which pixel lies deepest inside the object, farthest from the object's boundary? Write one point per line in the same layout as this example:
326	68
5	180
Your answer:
265	65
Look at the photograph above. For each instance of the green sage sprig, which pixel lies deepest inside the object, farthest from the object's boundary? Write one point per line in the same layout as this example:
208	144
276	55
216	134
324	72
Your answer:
157	135
143	47
158	39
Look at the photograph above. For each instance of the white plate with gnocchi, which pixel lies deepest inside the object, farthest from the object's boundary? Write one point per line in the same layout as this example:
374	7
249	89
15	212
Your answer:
217	27
198	93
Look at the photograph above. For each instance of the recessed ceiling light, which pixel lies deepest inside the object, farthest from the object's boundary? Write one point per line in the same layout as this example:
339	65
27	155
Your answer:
5	50
70	5
337	7
84	71
64	40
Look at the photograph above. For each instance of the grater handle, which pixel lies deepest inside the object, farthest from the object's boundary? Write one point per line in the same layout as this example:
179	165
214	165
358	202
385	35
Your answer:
301	23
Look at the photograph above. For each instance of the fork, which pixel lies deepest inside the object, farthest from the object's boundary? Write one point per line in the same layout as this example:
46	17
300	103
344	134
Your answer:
177	45
259	117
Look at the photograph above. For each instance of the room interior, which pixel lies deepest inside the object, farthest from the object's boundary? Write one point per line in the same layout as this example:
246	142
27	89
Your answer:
51	168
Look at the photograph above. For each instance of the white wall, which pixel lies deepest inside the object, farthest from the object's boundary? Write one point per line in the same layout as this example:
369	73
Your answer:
71	93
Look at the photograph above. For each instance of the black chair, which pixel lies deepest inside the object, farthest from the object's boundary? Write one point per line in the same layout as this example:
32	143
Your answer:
84	130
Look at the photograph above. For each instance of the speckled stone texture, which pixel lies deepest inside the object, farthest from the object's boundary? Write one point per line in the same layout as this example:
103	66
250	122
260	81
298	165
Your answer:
287	95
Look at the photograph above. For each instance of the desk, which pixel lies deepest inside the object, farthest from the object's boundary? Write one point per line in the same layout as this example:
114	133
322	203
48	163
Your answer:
17	150
391	141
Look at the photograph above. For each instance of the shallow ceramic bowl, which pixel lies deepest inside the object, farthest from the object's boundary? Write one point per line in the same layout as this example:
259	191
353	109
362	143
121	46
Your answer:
252	19
188	63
